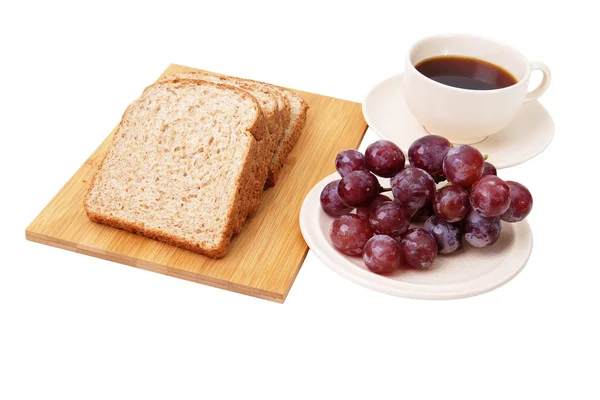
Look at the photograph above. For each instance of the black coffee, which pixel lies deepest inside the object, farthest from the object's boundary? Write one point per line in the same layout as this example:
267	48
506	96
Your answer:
466	73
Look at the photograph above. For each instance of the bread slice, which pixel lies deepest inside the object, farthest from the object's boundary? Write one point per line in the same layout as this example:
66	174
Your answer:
267	103
275	107
276	104
298	112
183	166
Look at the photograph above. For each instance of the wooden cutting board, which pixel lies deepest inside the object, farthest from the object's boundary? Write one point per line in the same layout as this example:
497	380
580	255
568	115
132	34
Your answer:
263	260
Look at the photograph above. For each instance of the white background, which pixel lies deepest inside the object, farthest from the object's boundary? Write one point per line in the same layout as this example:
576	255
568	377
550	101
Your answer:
75	327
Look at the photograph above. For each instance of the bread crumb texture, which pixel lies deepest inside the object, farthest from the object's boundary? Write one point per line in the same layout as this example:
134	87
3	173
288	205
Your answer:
181	166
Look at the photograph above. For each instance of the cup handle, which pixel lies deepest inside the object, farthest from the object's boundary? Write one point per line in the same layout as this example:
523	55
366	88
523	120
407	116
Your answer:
544	84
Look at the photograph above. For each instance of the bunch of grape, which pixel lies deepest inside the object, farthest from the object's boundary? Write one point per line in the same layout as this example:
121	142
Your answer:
469	205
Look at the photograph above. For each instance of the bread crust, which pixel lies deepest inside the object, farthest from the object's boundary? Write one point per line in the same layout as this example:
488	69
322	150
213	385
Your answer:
247	197
285	108
279	158
216	252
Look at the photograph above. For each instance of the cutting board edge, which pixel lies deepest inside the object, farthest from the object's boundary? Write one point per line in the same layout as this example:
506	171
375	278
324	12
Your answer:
35	237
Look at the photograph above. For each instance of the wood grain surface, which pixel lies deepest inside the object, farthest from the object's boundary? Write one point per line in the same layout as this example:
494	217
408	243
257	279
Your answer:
263	260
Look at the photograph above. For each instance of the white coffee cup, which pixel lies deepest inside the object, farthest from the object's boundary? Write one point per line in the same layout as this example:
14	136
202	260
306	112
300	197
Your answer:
466	115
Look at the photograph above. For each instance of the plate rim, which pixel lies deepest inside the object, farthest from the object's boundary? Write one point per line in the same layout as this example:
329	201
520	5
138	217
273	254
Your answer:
517	161
476	286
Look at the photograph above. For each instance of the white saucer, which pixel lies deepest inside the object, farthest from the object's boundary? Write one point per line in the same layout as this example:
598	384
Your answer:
467	272
527	135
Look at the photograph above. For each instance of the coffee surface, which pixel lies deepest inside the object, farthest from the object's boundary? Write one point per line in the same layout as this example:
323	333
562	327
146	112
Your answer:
466	73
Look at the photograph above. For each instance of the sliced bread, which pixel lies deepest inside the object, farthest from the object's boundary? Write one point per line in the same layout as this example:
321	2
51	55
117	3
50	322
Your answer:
298	111
275	107
183	166
289	108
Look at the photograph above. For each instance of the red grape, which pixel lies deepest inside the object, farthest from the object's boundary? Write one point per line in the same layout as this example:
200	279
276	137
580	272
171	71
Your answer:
521	203
349	234
382	254
451	203
330	200
490	196
365	211
480	231
358	188
413	188
419	248
350	160
389	219
447	236
489	169
463	165
428	153
471	206
384	158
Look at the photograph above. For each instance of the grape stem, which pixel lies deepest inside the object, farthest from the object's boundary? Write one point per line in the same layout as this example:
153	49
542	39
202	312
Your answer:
485	157
382	189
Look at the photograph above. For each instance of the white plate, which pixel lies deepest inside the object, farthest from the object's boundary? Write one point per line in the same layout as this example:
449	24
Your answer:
527	135
467	272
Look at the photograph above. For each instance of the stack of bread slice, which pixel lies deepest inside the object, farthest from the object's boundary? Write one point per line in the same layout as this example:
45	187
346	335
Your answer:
191	157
